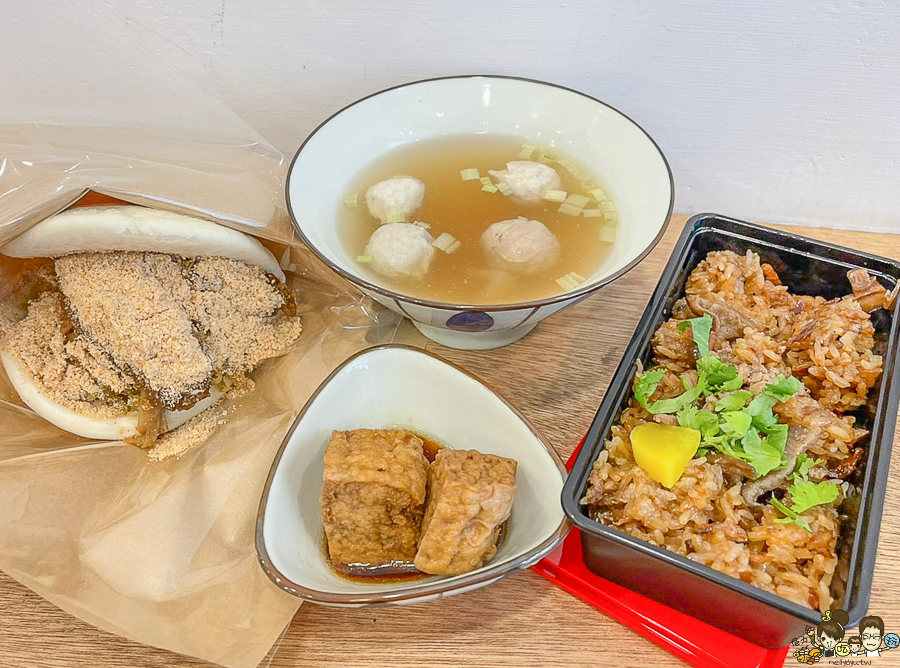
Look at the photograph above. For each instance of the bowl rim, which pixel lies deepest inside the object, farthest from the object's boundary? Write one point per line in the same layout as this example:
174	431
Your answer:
535	304
431	589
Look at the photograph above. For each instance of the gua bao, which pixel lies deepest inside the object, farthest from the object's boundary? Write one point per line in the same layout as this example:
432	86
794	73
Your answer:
144	320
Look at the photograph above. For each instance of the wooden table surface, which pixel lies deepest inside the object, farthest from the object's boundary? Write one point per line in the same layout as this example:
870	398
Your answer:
557	376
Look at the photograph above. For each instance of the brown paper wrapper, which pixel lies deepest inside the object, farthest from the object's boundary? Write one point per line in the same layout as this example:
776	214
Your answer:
163	553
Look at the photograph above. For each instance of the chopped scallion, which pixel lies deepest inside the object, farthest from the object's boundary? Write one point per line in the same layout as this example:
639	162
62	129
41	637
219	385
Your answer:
396	217
590	183
521	217
577	200
611	218
570	281
607	206
487	185
351	200
446	242
470	174
526	153
504	188
572	168
591	213
364	259
545	155
598	195
608	234
570	209
555	196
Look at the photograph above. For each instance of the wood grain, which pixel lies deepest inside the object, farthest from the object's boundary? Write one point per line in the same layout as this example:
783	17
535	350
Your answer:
557	376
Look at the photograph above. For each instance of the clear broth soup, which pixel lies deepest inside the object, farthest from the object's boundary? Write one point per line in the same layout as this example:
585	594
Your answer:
464	210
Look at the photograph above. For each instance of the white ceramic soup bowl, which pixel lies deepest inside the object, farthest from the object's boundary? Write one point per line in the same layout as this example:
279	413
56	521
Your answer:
624	158
402	387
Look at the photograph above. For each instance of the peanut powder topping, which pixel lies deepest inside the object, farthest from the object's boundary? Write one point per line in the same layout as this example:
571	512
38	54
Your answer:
238	313
65	372
119	302
115	332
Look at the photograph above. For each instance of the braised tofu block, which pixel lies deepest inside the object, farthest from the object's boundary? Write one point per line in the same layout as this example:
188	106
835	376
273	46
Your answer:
470	496
373	496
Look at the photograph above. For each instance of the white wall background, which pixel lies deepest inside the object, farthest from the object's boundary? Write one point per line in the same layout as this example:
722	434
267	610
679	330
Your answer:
782	111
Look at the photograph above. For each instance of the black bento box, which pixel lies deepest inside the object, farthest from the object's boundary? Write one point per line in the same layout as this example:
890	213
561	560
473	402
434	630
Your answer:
807	267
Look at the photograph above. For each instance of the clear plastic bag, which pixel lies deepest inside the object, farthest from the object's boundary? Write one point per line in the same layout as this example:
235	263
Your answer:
163	553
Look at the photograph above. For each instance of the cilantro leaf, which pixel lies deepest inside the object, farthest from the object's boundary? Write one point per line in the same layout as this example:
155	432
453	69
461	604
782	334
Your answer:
708	422
731	385
760	409
675	404
700	329
709	426
696	418
804	464
687	417
735	422
719	377
762	456
807	494
711	431
733	402
728	445
776	436
782	388
646	384
791	516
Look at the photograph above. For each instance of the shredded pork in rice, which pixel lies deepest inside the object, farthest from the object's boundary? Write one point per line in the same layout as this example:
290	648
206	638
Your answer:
717	513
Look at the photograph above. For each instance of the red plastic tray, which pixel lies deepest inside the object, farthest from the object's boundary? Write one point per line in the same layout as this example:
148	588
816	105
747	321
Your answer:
688	638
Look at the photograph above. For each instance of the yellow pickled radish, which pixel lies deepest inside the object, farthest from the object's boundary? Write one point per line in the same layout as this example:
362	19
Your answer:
663	451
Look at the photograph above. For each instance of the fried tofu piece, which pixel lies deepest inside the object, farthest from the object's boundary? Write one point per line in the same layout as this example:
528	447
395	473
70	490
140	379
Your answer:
373	496
470	496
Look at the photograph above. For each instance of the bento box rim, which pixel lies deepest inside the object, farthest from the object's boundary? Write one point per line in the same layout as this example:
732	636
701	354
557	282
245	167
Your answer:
865	543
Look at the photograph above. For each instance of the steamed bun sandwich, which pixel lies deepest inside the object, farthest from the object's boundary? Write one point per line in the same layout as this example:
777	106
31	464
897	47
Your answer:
143	322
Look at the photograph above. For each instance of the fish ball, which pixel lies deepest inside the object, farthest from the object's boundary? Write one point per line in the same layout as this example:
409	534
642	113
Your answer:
528	180
401	250
523	246
398	195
